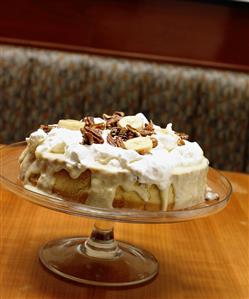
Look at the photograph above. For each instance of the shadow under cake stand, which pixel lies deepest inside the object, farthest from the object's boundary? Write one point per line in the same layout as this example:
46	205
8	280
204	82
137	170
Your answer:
100	259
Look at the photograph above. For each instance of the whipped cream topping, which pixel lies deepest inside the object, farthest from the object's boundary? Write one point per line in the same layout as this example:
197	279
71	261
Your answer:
113	166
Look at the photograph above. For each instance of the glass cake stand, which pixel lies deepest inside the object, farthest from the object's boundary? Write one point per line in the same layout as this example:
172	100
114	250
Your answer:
100	259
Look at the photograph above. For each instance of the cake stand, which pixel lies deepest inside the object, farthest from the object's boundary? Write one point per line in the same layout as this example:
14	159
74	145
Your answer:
100	259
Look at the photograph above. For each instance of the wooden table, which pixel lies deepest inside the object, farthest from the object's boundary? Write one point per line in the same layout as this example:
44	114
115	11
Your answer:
205	258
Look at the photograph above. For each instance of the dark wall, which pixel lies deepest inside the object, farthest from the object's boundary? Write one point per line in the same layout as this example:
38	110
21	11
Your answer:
207	33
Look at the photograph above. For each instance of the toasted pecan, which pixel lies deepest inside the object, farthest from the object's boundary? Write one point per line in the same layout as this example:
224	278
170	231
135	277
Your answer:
47	128
91	135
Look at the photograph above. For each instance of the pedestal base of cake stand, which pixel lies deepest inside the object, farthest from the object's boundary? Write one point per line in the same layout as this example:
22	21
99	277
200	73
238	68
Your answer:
99	260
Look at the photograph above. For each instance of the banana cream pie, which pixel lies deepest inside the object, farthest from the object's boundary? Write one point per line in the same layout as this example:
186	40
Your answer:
116	161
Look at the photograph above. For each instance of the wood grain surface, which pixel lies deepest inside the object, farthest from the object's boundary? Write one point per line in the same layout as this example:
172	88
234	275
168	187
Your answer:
206	33
205	258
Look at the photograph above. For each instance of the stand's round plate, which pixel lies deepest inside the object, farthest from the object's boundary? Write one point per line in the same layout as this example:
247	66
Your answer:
9	173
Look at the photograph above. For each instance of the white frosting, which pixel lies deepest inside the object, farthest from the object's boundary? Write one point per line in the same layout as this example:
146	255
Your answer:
167	137
110	165
35	139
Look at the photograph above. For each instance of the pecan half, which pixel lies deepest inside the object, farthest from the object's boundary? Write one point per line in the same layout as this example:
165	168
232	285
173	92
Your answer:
119	142
134	131
123	133
100	126
111	140
112	120
91	136
89	121
115	141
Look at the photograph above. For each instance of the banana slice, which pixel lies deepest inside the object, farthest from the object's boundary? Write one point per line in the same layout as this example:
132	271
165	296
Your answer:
59	148
142	145
134	121
71	124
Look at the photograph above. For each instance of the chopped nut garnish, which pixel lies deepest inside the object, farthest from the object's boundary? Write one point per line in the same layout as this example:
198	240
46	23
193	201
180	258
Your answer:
180	142
91	136
121	130
145	132
183	135
100	126
134	131
115	131
124	133
119	142
89	121
149	126
112	120
115	141
111	140
148	129
154	141
47	128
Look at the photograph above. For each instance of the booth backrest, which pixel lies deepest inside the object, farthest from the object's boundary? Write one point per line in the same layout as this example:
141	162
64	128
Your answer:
43	86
